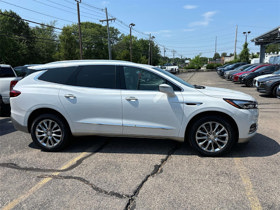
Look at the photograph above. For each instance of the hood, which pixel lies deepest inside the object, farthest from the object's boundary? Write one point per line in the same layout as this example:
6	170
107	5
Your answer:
274	77
225	93
264	76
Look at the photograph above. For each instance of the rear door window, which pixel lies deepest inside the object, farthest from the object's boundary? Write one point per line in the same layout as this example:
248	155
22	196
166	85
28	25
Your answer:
95	76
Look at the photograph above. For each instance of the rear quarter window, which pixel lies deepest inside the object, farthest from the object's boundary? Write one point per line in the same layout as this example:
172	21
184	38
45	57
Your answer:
7	72
58	75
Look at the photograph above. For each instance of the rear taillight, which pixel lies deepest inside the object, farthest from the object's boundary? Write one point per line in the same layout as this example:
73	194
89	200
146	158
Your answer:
14	93
13	84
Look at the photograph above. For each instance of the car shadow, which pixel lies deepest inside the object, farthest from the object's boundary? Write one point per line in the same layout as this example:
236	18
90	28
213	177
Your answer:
6	126
259	146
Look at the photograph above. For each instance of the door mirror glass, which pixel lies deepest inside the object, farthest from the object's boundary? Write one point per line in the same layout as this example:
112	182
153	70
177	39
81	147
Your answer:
166	89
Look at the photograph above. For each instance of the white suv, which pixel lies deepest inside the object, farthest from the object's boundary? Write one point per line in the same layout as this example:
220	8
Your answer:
117	98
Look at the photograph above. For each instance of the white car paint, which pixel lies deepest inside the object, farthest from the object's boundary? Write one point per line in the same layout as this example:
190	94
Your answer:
95	111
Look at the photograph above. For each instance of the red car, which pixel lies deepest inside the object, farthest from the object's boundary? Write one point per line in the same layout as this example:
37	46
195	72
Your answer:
236	77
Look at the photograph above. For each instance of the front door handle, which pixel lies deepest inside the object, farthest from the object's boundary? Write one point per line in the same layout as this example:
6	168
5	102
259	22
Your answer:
131	98
70	96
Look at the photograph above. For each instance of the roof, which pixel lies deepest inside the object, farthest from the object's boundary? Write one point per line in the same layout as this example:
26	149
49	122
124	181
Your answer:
58	64
269	37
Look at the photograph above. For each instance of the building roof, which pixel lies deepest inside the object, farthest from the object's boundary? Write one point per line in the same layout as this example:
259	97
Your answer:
269	37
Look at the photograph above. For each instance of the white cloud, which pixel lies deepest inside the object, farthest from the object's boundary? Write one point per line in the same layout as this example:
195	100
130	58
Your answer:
165	32
190	6
105	3
207	19
189	29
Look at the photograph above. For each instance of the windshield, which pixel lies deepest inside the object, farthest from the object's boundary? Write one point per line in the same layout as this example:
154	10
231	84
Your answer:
261	69
174	77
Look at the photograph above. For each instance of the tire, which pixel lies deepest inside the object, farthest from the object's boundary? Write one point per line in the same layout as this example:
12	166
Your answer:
249	83
50	132
274	89
205	140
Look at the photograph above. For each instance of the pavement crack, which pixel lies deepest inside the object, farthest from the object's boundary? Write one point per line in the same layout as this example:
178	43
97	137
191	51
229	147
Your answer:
131	204
33	169
86	182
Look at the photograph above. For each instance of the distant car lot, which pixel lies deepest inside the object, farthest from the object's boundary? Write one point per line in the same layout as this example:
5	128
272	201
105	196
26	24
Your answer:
119	173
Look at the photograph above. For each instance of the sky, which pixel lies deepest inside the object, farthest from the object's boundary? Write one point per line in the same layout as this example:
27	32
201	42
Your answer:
184	28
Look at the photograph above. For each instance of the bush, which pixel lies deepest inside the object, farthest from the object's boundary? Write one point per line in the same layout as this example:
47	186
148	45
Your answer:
192	67
213	65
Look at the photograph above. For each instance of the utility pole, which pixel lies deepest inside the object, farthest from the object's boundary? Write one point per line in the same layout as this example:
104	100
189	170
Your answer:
108	31
130	26
150	49
173	51
80	33
235	42
164	50
215	45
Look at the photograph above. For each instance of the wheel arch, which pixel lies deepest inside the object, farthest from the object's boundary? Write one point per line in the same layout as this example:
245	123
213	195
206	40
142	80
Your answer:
211	113
40	111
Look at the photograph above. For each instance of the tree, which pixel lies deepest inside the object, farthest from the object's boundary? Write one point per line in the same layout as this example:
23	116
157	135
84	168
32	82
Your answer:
94	39
45	43
216	56
16	40
245	55
273	48
224	54
196	62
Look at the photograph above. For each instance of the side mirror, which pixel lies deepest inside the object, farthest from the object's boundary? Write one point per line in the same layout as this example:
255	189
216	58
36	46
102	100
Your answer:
166	89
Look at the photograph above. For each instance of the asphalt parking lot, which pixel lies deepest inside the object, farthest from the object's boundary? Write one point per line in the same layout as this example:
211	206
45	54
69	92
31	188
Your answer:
122	173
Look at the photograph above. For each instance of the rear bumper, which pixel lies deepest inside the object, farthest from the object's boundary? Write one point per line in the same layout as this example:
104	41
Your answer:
18	126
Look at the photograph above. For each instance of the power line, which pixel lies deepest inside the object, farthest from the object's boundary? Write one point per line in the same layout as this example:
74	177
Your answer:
36	11
31	21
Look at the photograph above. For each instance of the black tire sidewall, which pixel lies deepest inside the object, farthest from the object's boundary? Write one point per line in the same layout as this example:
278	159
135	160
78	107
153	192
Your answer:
64	128
221	120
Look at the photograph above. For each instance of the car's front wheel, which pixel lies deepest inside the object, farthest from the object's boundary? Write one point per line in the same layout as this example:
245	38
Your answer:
50	132
212	135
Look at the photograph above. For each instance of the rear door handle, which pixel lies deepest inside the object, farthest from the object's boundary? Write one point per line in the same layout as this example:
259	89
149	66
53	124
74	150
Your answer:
131	98
70	96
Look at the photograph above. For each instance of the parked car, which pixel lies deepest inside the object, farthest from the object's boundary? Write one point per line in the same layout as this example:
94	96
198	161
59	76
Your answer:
256	80
8	77
221	72
223	66
21	71
238	76
247	67
278	91
248	79
269	85
116	98
172	68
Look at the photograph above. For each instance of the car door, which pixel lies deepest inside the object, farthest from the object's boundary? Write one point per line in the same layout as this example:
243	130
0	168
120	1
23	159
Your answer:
93	101
146	110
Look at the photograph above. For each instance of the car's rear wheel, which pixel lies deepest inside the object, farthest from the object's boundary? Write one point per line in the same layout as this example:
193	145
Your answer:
212	136
274	90
50	132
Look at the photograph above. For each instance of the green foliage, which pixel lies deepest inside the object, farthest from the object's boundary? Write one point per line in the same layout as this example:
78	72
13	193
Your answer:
224	54
245	55
197	62
213	65
272	48
45	43
216	56
16	40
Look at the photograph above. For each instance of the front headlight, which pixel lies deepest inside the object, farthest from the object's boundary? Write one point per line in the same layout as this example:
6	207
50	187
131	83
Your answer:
242	104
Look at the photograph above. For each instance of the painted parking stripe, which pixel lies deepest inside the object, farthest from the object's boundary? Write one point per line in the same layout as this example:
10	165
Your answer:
251	195
44	181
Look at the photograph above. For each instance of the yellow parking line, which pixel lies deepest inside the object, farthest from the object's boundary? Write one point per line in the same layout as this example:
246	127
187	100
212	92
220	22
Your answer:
252	197
42	183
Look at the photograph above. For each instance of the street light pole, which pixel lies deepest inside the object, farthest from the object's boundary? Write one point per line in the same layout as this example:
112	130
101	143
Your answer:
150	50
130	26
80	33
246	33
